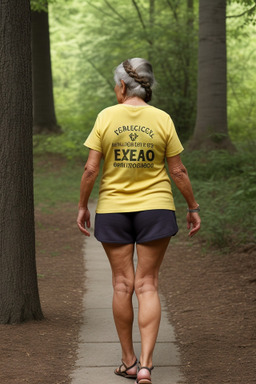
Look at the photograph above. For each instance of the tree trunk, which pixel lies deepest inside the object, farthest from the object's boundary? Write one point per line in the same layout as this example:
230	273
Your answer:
187	105
19	298
211	131
151	29
43	100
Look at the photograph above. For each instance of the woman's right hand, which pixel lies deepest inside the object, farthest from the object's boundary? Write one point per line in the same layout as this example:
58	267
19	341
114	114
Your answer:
82	219
194	222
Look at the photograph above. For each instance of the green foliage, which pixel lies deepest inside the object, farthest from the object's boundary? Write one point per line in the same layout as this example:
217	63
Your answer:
69	144
225	187
218	165
57	180
40	5
53	183
247	11
89	39
241	44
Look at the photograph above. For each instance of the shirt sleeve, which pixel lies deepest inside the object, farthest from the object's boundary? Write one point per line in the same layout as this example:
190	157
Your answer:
174	146
93	141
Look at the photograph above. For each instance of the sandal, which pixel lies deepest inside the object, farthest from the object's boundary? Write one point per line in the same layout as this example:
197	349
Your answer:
122	370
144	379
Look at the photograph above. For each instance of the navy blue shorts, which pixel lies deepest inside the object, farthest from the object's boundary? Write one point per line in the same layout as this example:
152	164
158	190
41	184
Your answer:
135	227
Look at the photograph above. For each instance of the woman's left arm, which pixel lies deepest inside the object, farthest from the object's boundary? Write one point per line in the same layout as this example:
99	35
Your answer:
179	175
91	171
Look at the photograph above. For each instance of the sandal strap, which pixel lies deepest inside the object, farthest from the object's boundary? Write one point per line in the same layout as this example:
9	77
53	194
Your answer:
149	369
125	366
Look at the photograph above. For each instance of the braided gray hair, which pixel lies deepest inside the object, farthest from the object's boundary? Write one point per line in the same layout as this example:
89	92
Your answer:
138	76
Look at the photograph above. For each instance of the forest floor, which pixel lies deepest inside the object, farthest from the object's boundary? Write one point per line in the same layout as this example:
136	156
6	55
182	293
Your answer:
211	299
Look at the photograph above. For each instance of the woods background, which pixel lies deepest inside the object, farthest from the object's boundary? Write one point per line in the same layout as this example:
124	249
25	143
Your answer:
203	55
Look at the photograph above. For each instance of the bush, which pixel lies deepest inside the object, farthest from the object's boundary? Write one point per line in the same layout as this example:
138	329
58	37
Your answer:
68	144
225	186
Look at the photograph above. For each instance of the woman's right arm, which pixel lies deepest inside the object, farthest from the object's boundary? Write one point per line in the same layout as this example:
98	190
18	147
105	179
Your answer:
180	177
91	171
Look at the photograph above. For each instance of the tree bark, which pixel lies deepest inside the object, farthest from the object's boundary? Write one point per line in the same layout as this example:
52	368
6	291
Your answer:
43	99
151	29
189	66
19	298
211	130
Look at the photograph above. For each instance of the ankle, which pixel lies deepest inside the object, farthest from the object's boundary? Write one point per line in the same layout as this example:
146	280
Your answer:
146	362
130	364
129	360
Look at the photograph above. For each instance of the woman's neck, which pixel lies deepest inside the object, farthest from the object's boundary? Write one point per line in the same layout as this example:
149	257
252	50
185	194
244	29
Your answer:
134	101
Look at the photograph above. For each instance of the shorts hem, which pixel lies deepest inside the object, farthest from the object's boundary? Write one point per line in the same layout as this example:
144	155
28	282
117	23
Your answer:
156	238
115	242
137	242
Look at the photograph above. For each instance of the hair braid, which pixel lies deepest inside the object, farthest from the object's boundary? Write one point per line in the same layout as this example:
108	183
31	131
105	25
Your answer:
143	81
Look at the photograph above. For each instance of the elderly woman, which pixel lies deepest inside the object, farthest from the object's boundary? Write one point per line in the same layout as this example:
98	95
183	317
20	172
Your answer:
135	205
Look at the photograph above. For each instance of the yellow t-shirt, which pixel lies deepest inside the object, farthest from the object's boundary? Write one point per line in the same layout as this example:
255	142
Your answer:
134	141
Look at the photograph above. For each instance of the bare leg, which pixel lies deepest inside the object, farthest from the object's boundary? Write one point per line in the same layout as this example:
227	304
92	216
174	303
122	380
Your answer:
121	261
150	256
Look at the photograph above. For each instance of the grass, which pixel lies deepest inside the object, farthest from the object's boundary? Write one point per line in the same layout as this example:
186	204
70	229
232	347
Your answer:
57	181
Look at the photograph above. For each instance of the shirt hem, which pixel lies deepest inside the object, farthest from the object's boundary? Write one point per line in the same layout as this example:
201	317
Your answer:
138	209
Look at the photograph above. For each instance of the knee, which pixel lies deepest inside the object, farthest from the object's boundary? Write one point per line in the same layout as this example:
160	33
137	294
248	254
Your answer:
146	284
122	284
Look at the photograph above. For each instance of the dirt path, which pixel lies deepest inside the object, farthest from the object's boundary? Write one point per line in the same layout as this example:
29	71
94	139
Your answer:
212	304
211	299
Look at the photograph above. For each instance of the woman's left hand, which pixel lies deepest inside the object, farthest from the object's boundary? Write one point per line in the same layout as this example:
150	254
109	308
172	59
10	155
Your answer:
194	221
82	219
